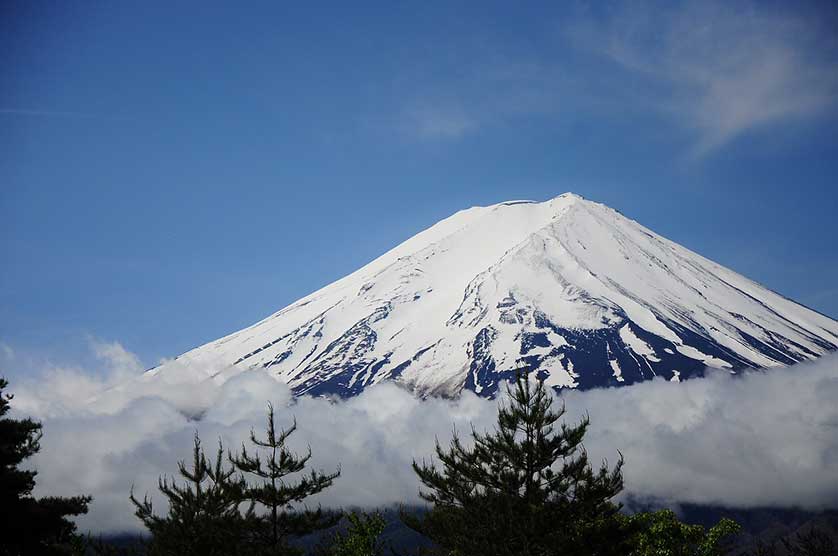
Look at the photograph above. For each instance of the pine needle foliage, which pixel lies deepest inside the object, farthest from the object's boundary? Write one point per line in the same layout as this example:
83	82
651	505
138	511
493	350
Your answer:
29	525
278	494
527	488
204	516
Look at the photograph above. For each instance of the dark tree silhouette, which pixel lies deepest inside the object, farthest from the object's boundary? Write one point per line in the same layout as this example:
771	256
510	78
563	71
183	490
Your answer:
813	542
204	517
29	525
527	488
282	519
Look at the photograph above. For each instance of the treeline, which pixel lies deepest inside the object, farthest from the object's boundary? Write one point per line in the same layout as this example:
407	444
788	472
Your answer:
525	488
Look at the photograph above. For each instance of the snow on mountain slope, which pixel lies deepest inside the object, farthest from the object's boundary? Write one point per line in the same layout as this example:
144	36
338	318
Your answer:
582	295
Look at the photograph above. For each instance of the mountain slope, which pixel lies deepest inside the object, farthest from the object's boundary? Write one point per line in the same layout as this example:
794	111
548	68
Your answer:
583	295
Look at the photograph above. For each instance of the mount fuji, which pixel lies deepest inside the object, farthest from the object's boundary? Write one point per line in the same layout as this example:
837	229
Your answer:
579	294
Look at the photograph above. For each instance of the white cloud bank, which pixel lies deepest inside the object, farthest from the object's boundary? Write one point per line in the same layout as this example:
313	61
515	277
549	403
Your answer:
761	439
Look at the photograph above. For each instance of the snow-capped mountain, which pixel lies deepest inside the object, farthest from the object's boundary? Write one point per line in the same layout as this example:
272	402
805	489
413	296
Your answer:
582	295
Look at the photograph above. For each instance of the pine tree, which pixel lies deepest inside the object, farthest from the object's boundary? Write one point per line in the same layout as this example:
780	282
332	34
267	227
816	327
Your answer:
282	519
29	525
527	488
204	516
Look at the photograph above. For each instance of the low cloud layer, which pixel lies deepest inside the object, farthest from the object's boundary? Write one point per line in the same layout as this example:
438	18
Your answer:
765	438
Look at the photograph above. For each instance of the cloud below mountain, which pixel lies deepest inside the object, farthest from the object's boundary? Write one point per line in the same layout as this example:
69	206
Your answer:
762	439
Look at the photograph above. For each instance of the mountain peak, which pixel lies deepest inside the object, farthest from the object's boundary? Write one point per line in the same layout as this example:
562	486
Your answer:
564	198
570	196
579	294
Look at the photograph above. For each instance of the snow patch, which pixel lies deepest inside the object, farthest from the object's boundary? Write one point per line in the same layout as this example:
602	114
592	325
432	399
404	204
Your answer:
618	372
708	360
559	376
637	345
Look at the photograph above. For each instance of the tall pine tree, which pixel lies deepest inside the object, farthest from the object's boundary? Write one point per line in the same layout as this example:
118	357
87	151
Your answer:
29	525
527	488
282	519
204	516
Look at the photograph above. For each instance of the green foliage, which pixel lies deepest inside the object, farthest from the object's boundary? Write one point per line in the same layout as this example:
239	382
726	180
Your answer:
203	516
29	525
525	488
662	534
282	518
361	537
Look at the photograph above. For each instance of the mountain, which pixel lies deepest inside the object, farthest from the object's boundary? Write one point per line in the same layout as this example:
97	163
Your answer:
579	293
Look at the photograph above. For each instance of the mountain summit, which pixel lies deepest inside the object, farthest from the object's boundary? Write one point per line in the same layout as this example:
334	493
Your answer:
582	295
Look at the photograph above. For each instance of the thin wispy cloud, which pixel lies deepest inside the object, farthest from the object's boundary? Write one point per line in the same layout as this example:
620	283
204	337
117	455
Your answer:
724	69
60	114
439	122
716	70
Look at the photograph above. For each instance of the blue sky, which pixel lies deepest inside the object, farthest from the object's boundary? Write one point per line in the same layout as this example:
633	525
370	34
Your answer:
171	172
